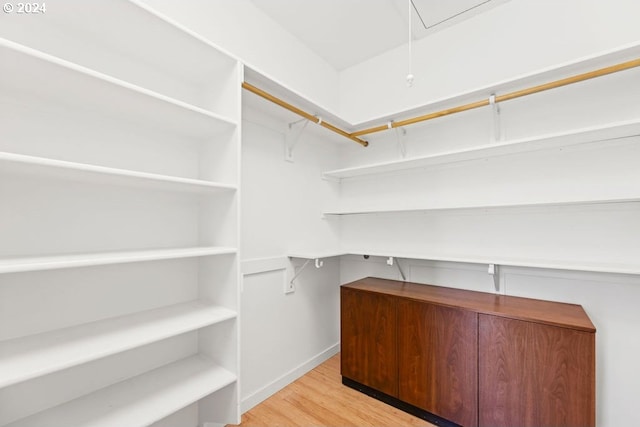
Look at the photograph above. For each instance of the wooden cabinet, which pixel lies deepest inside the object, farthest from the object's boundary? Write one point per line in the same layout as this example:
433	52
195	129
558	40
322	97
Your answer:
472	358
369	337
437	348
536	375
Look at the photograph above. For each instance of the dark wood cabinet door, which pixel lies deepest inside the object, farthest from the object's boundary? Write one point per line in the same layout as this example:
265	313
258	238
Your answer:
535	375
368	328
437	360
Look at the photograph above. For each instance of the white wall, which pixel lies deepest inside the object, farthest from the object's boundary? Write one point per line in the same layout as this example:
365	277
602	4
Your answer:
283	336
249	34
516	38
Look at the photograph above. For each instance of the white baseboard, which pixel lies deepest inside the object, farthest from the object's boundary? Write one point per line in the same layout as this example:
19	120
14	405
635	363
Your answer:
286	379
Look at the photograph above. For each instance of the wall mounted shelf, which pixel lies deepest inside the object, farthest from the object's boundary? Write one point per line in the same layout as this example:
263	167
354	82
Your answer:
315	255
141	400
603	267
586	135
544	204
94	174
27	70
618	268
166	47
540	76
29	357
24	264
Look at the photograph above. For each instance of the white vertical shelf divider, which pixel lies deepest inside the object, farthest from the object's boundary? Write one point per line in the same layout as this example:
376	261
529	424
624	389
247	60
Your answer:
120	168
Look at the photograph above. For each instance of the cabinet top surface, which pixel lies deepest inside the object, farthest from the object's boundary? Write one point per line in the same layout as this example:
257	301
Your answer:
548	312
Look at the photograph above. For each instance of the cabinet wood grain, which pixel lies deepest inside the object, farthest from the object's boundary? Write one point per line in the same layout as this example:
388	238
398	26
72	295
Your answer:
368	329
539	311
535	375
437	353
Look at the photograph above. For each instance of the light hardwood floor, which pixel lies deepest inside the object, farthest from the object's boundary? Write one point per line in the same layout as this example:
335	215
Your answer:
319	399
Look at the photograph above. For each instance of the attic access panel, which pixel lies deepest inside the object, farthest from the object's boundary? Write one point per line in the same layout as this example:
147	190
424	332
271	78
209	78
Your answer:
429	16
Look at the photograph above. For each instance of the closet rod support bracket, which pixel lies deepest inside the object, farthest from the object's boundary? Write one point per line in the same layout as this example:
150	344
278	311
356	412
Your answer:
292	137
497	124
319	263
495	272
391	261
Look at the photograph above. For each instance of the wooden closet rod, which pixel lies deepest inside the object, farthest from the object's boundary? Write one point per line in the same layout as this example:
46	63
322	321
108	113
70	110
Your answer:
302	113
505	97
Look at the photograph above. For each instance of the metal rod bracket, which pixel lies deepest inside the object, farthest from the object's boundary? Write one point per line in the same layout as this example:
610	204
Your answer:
319	263
401	138
300	270
292	137
497	125
391	261
494	271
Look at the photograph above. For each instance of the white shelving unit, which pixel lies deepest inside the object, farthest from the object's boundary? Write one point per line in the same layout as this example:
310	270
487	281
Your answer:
561	200
23	264
63	170
537	77
589	135
541	203
315	255
119	171
618	268
29	357
111	95
141	400
608	137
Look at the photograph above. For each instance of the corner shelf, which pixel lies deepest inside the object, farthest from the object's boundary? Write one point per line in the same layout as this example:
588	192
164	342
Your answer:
60	169
542	142
315	255
24	264
616	268
29	357
27	70
141	400
536	77
556	203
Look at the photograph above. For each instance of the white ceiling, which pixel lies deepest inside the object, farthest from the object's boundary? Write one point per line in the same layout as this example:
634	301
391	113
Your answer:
347	32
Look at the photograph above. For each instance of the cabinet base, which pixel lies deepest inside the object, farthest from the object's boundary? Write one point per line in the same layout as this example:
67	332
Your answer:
397	403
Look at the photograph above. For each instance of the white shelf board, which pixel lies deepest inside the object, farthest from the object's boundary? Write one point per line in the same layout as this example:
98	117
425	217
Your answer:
566	69
165	45
277	87
598	267
28	70
601	267
60	169
141	400
29	357
553	203
315	255
544	75
542	142
24	264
